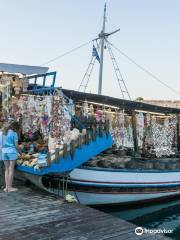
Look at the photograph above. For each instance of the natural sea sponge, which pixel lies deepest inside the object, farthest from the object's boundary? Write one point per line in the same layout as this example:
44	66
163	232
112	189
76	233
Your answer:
27	157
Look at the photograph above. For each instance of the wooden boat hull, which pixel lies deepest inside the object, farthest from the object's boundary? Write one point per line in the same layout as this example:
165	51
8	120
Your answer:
97	186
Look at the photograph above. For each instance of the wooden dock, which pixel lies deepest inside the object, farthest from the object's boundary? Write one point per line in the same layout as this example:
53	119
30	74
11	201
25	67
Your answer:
33	214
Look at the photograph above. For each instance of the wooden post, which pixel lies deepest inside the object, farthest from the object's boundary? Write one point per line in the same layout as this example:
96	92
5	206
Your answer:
93	133
49	159
56	155
107	127
87	138
100	129
72	148
64	150
177	134
83	138
79	141
134	132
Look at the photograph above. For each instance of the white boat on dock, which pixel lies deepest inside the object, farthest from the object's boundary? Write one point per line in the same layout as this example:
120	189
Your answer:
101	186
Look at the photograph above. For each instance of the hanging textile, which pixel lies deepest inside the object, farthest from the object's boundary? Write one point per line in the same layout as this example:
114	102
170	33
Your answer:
121	131
85	109
60	124
91	110
140	128
99	115
163	137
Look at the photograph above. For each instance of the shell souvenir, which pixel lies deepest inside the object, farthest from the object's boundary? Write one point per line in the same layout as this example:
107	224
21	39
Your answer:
25	163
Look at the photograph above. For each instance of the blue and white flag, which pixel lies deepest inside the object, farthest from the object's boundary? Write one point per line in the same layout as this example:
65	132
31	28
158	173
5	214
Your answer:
95	53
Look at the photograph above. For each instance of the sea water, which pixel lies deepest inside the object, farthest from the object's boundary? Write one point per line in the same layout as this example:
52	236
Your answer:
162	216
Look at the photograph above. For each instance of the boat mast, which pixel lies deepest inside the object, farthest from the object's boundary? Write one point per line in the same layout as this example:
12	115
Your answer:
103	36
102	39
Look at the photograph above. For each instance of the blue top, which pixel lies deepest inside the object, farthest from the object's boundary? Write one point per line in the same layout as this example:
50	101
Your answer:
9	141
1	141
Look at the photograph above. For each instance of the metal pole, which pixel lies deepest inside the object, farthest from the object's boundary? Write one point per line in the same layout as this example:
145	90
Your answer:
102	37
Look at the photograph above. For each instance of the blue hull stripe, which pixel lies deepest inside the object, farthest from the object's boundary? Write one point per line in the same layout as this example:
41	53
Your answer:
135	185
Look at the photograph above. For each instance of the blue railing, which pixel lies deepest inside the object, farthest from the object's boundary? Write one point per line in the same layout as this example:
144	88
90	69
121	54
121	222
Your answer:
42	89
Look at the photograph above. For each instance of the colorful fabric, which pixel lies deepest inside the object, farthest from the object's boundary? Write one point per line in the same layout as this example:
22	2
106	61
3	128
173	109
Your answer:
1	141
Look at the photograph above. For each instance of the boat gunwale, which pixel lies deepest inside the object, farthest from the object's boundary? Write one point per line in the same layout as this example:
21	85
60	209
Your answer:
129	170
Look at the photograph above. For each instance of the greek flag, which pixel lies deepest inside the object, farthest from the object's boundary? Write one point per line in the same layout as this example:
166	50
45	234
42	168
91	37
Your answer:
95	53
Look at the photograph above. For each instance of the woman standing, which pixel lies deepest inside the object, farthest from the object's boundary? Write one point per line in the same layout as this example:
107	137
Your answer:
10	153
1	162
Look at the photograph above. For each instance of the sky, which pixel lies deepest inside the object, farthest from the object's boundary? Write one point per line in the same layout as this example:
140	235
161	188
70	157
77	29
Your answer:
35	31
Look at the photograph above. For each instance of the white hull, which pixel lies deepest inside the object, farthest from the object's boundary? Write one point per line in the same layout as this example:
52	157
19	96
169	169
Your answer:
108	199
93	186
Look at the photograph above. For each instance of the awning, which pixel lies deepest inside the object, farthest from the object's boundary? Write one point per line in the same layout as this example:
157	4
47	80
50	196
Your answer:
24	69
121	103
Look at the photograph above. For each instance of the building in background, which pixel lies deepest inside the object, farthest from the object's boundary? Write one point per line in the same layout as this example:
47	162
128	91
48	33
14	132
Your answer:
164	103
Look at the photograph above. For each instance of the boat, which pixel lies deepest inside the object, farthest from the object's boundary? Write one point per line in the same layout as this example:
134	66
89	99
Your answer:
118	177
129	178
101	186
142	169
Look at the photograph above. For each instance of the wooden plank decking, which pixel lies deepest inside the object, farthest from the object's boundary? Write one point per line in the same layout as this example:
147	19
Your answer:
33	214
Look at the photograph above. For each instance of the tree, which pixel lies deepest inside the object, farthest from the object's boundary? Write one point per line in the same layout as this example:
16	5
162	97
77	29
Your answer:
139	99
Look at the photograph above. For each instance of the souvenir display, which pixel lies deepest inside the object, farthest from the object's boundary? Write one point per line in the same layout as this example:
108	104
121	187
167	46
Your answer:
44	124
121	132
17	85
147	143
71	107
99	115
91	110
140	128
109	117
153	137
60	123
51	143
163	137
5	96
45	116
44	121
103	114
85	109
47	125
16	81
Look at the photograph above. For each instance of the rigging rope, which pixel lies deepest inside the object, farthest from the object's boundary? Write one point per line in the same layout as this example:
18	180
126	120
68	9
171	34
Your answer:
66	53
143	69
118	74
87	75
